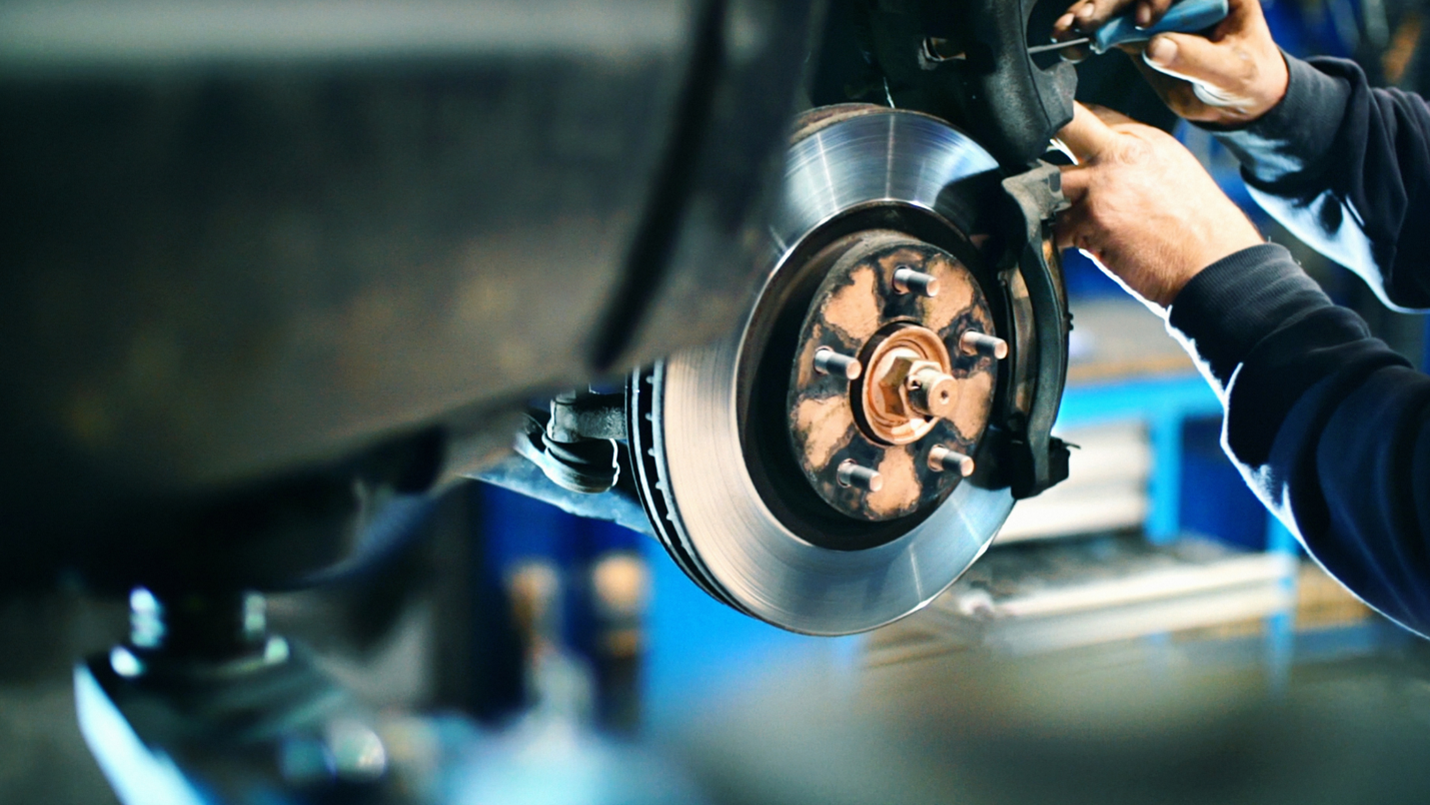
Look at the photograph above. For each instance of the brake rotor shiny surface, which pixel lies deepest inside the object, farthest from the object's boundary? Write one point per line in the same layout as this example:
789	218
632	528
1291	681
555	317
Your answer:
750	530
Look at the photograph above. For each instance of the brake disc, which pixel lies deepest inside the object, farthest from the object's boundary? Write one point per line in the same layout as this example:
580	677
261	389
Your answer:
845	457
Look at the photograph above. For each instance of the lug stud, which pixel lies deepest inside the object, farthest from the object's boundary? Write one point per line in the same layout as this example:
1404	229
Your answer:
984	344
943	459
829	362
907	280
850	473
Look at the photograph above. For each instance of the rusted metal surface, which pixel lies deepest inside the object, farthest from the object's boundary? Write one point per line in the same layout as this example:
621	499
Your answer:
919	389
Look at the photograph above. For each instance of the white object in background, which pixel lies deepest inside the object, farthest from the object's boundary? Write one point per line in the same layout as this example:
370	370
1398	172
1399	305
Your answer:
1106	489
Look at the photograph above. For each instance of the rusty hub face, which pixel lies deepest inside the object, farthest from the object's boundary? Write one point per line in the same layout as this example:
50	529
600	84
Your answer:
883	379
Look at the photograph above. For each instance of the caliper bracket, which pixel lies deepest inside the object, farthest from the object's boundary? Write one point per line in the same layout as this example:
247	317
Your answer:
1037	459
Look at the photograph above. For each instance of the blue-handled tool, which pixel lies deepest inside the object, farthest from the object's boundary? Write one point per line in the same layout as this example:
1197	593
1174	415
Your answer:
1186	16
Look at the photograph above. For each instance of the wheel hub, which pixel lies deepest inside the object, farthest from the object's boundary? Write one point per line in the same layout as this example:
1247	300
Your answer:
815	470
908	388
883	375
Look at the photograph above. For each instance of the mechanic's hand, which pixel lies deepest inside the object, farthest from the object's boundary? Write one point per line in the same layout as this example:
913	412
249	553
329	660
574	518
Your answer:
1231	76
1143	206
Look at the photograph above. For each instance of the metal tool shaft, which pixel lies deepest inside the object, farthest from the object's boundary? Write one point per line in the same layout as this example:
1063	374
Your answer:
1082	40
1187	16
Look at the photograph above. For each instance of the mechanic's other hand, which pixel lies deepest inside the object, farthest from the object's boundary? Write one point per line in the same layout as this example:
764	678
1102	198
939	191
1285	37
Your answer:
1231	76
1086	16
1143	206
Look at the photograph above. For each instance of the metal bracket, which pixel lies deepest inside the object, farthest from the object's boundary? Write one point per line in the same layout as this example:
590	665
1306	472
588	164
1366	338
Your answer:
968	62
1015	106
575	445
202	705
577	415
1038	460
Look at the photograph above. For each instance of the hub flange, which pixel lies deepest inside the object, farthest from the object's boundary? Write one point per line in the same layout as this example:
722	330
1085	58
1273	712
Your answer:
899	309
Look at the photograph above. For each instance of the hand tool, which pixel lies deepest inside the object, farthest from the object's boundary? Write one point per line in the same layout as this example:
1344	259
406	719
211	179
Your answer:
1186	16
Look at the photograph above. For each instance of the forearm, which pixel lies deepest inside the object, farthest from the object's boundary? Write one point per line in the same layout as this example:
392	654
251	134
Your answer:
1289	149
1327	424
1347	169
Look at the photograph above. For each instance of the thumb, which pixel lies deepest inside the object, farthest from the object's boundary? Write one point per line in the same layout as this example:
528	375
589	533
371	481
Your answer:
1194	58
1086	136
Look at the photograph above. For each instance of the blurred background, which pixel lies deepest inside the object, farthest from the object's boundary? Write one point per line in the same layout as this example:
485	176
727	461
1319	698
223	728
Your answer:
1141	632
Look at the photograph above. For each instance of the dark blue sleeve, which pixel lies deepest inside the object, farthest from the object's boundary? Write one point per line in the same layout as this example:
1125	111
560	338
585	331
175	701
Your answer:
1346	168
1330	428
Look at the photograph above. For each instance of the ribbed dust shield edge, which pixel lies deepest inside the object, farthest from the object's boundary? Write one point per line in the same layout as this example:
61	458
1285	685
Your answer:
715	509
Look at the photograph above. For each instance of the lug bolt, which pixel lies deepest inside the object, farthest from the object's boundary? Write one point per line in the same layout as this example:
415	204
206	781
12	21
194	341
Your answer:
984	344
943	459
829	362
907	280
852	474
